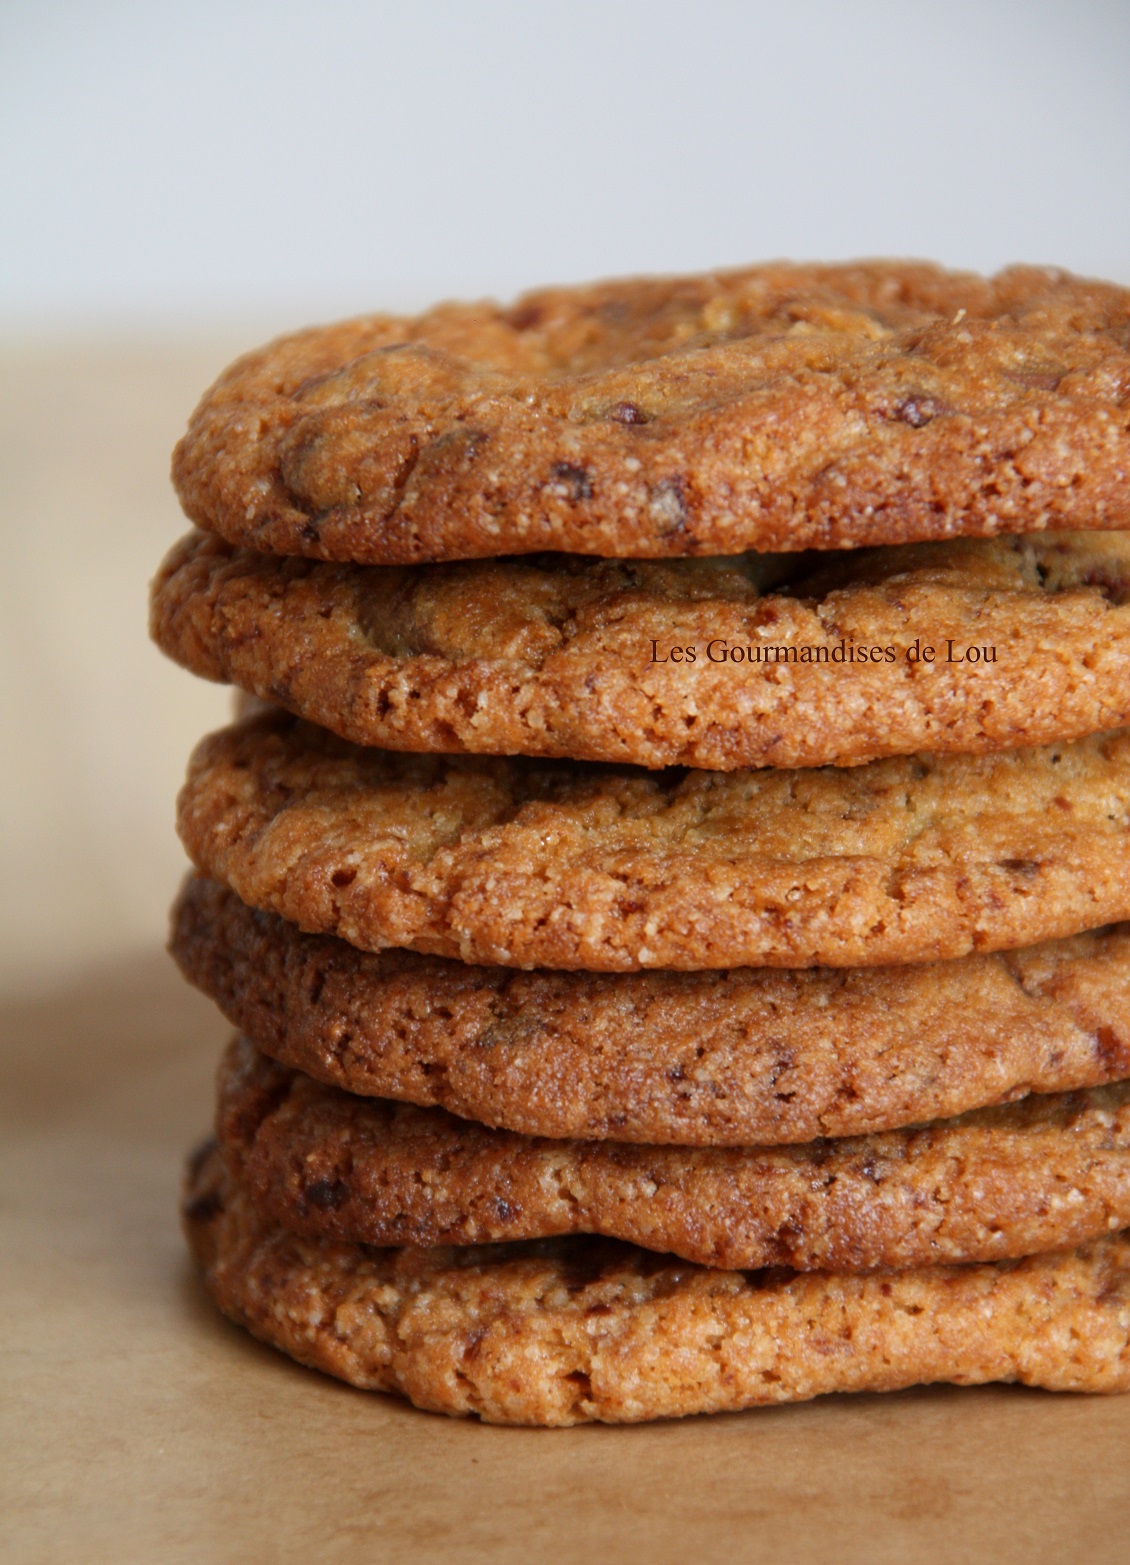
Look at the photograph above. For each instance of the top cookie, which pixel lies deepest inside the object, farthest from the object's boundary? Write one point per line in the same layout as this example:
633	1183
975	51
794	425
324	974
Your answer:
779	407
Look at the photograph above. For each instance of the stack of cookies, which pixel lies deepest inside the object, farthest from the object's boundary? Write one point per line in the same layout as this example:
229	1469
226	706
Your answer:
668	887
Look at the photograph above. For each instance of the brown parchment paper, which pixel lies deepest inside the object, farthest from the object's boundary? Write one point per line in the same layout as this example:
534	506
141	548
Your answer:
135	1424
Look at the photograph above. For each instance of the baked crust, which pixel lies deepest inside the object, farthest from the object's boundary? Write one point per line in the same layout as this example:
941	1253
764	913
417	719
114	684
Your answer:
777	407
568	865
750	1056
562	656
1043	1174
579	1330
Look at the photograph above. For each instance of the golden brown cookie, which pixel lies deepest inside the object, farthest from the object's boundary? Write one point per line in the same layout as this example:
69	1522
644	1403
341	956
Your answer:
573	865
1043	1174
578	1330
753	1055
968	645
778	407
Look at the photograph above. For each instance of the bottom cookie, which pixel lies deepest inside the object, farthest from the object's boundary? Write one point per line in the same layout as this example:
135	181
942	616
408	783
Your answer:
580	1330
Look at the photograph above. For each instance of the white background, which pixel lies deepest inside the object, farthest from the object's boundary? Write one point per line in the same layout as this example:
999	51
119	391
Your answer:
276	160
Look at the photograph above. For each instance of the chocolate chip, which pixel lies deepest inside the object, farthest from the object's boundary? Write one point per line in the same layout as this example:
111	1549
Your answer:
578	480
505	1211
525	317
627	413
1110	1049
917	411
326	1194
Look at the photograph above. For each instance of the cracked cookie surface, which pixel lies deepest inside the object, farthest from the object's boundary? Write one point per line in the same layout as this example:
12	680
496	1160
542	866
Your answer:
575	865
751	1055
1044	1174
777	407
578	1330
1027	640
